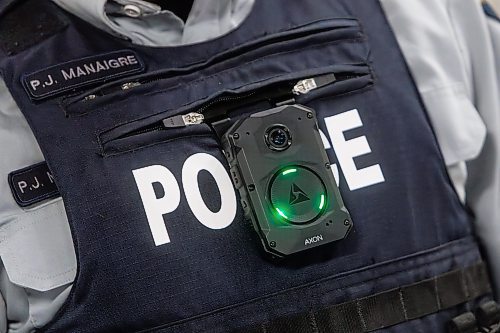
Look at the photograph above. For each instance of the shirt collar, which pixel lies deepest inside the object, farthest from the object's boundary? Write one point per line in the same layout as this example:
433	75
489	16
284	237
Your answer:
145	23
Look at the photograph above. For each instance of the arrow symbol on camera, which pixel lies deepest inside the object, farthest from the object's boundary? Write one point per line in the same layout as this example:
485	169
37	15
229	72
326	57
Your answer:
297	195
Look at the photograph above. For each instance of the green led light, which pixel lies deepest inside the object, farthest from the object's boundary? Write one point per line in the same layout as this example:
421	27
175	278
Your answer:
287	171
281	213
322	202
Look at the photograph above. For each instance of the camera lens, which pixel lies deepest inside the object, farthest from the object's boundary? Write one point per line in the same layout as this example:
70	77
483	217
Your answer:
278	138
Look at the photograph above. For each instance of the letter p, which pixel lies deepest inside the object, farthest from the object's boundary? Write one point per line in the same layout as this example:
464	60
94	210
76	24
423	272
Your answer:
156	207
34	84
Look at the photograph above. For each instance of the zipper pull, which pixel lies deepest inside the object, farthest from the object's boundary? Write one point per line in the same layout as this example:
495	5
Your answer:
130	85
300	88
183	120
89	97
304	86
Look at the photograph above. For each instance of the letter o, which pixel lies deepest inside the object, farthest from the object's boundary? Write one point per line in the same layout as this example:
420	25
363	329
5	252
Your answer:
190	170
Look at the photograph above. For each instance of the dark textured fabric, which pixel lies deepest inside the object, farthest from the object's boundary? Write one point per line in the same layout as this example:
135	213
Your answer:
339	318
387	308
27	24
409	226
424	299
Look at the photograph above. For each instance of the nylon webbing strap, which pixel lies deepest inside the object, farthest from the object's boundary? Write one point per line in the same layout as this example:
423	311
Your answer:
388	308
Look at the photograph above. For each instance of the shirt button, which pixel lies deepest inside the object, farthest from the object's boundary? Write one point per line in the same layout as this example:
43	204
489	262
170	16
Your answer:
132	10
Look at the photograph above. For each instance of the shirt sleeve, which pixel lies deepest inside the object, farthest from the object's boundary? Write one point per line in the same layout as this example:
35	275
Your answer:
38	262
450	53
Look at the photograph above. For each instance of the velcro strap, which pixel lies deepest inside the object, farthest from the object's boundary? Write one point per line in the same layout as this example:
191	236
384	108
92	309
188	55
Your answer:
390	307
26	23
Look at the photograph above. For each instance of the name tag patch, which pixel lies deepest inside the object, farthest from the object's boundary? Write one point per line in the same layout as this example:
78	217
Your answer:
32	185
82	72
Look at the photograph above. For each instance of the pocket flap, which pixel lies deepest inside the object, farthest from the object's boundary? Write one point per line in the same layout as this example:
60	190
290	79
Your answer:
37	251
459	129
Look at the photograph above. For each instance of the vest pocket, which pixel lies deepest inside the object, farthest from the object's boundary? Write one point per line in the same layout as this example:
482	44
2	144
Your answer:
272	55
37	251
156	129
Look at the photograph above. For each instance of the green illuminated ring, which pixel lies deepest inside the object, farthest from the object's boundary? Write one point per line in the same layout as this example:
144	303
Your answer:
292	169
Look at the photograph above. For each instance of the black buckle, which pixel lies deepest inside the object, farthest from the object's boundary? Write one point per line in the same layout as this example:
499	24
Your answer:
486	320
464	323
488	317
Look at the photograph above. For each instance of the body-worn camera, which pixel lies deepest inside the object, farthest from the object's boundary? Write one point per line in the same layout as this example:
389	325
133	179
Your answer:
279	165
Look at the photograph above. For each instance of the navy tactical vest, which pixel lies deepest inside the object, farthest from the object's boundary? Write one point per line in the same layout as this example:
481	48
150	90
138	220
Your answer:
410	263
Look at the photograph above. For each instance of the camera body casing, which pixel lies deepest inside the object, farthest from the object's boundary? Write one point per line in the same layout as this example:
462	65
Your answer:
280	168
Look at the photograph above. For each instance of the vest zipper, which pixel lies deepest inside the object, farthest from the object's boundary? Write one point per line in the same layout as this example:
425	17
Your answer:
282	93
301	87
296	34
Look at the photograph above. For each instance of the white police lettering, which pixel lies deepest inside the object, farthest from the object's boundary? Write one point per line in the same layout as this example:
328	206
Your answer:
156	207
347	150
313	240
96	67
213	220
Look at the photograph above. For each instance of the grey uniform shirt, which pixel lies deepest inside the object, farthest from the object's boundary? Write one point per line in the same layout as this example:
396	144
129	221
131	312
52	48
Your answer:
452	50
38	262
463	109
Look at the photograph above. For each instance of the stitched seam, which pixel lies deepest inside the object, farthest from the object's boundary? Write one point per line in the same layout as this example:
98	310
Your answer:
138	147
262	59
436	292
38	198
311	284
367	87
298	27
360	314
464	285
403	303
312	322
194	102
289	30
16	264
30	316
133	149
78	85
240	66
99	134
20	228
15	261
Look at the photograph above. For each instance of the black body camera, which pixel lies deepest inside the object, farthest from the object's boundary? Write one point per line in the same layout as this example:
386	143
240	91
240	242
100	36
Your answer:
279	165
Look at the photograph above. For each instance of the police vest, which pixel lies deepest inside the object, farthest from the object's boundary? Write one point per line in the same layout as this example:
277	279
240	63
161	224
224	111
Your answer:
159	231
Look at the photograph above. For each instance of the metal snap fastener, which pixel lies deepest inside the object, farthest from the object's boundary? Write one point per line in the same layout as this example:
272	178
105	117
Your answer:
132	10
